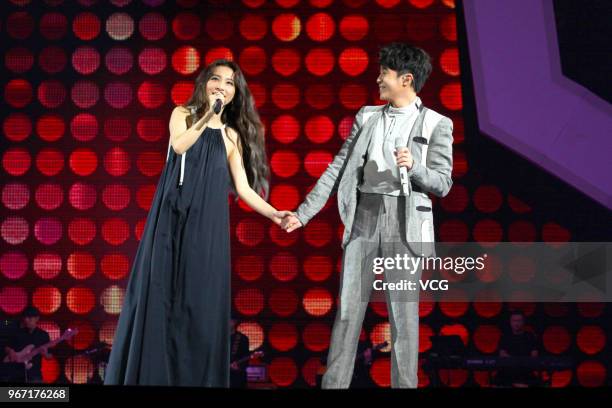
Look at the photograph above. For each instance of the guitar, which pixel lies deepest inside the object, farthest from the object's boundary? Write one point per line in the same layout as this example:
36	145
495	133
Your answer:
255	354
30	351
375	348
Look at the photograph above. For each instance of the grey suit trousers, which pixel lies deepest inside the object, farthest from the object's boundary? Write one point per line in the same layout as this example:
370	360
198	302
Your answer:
376	232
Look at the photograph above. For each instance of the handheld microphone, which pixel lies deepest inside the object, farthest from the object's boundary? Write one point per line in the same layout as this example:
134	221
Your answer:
217	106
402	170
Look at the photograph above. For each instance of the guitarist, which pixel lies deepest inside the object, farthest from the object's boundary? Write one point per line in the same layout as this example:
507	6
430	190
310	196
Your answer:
239	350
28	333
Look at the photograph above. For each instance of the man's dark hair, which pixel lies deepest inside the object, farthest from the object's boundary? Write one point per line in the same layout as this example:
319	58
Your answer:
517	312
405	58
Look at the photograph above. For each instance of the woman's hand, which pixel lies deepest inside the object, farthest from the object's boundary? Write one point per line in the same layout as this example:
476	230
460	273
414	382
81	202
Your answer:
212	99
279	216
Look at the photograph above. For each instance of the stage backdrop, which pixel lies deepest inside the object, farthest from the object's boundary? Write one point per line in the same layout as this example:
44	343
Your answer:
88	87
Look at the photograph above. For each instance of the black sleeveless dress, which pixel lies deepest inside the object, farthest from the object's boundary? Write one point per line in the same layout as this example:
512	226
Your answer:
174	323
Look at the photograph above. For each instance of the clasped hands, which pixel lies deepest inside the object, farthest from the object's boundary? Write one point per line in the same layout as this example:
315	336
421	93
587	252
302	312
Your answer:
287	220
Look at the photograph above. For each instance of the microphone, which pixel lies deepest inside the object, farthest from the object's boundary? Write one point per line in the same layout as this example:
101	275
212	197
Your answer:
217	106
402	170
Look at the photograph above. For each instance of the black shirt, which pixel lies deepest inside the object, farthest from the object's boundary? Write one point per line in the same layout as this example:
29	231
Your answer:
23	338
518	345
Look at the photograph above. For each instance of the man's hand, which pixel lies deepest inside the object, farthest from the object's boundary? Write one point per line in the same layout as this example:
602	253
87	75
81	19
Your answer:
404	157
279	216
286	220
291	223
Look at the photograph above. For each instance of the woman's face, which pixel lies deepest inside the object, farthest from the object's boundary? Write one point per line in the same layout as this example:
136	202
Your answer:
221	81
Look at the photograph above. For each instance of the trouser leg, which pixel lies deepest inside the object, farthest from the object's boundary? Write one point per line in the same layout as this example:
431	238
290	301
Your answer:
355	287
402	305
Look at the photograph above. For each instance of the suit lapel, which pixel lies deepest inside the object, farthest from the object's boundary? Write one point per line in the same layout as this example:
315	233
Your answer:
417	127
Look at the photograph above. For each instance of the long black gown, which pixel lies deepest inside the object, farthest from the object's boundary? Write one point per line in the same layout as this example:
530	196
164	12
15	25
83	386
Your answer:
174	324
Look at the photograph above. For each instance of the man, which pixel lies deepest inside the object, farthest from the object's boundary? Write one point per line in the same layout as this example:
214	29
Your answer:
377	209
28	334
239	350
363	363
517	343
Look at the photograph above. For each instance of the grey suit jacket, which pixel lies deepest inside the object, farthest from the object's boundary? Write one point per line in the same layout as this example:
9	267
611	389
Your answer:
430	174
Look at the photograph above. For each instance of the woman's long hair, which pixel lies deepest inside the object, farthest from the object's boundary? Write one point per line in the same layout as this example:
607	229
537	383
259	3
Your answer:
240	114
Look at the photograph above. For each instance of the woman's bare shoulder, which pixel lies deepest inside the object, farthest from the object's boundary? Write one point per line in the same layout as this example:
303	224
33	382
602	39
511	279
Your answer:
181	109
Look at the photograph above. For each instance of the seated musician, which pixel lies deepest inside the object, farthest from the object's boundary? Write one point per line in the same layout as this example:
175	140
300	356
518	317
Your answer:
517	342
239	351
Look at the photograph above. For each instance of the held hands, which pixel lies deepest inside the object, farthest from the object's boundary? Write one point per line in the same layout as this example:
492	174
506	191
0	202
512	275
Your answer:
286	220
404	157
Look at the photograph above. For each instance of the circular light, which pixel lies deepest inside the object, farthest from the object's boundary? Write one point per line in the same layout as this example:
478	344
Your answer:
152	26
253	60
153	60
286	61
320	61
13	299
115	231
283	371
118	94
85	60
283	336
316	336
84	127
353	96
249	267
284	267
249	232
285	163
81	265
18	93
119	60
13	265
354	27
120	26
353	61
19	60
219	26
82	196
15	196
47	299
117	162
319	129
285	129
14	230
52	59
19	25
317	301
186	60
320	27
283	302
286	96
48	230
82	231
86	26
115	266
320	96
186	26
286	27
85	94
253	27
53	26
111	299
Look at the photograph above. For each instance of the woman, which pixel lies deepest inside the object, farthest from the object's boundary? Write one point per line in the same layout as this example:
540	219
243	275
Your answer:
174	323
